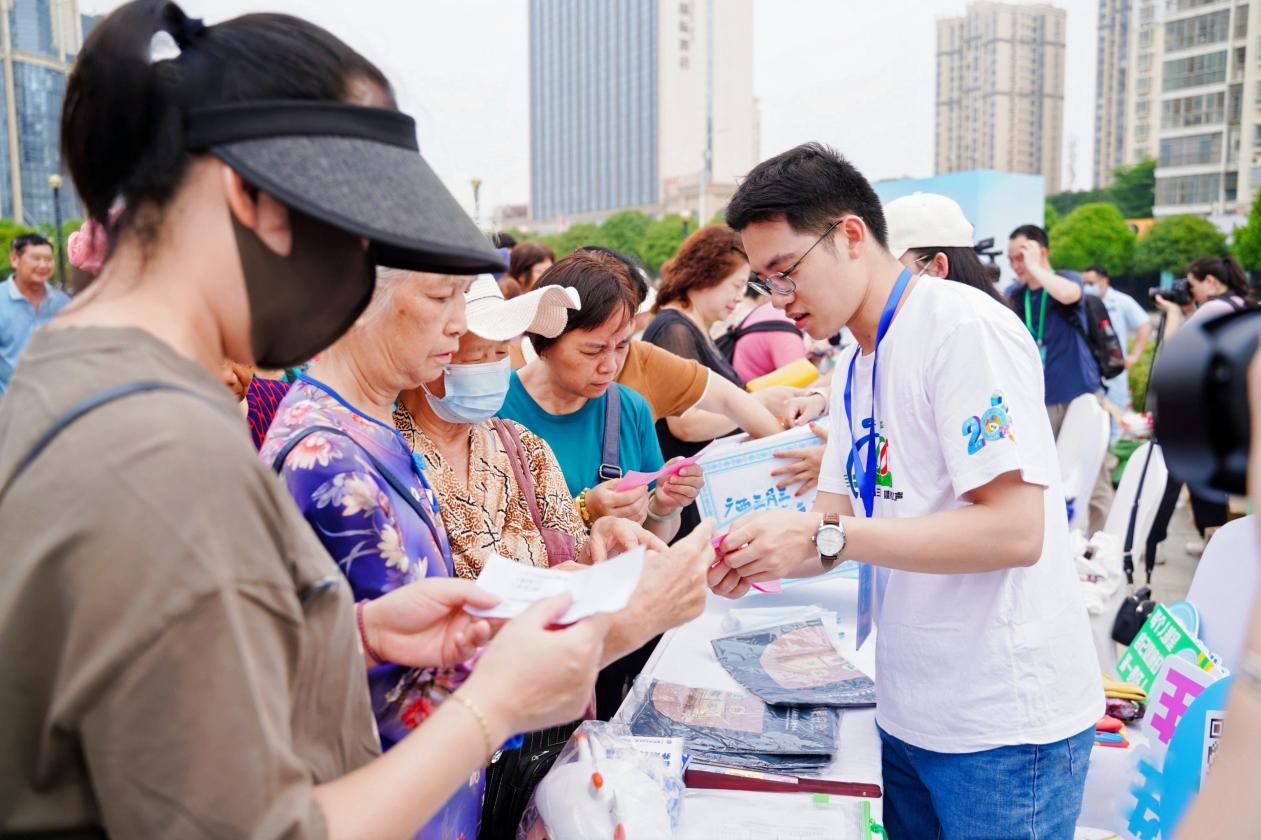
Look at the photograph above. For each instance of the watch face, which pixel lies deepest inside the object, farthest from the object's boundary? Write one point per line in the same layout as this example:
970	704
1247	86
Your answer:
830	540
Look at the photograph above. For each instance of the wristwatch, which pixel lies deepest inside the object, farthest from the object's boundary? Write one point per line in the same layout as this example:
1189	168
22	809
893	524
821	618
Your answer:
829	540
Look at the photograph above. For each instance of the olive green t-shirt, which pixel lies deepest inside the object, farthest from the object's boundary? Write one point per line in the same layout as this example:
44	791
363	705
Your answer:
163	677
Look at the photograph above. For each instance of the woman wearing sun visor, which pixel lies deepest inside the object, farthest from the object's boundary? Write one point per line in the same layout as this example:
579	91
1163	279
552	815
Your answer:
182	658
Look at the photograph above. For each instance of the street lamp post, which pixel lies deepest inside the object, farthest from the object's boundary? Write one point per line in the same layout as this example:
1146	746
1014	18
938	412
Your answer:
54	181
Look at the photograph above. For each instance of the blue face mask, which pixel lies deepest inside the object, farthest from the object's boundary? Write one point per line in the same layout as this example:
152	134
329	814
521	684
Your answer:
473	392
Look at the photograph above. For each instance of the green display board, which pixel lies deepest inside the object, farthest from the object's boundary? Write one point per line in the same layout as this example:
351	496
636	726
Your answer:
1162	635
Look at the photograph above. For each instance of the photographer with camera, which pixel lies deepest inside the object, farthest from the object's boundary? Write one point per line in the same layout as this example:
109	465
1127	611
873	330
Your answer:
1214	286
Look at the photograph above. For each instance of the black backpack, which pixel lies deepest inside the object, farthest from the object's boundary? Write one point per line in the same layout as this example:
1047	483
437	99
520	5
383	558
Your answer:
727	341
1101	337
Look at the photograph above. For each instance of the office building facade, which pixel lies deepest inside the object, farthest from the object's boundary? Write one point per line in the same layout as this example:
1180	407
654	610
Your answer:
1000	90
39	40
623	106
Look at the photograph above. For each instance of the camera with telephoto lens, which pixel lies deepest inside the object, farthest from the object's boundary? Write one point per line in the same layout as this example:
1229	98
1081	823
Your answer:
1179	292
1199	392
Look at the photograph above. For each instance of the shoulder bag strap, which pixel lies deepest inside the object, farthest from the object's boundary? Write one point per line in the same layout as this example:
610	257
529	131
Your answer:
1127	552
84	407
611	452
516	457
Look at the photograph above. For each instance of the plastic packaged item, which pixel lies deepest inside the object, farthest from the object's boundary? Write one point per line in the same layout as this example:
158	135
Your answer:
607	783
755	618
726	722
795	664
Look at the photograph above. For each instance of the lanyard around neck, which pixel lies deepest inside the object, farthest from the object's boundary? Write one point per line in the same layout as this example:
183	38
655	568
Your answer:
866	478
1037	334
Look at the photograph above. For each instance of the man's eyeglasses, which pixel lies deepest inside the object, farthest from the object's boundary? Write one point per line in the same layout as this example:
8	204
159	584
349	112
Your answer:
781	283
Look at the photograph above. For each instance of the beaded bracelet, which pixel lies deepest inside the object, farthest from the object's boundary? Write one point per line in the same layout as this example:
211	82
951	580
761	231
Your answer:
363	635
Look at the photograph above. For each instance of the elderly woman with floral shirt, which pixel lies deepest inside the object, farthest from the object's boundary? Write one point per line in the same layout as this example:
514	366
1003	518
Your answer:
370	500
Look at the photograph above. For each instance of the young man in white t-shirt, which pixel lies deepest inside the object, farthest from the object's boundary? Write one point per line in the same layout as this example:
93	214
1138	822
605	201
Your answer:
987	680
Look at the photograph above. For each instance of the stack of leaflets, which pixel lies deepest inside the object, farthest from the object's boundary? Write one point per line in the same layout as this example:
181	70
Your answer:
794	664
721	727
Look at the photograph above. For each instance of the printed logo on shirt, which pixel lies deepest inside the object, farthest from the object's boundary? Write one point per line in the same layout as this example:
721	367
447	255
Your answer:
993	424
884	476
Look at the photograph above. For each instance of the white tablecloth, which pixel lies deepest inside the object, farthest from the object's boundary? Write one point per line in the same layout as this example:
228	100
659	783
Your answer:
684	656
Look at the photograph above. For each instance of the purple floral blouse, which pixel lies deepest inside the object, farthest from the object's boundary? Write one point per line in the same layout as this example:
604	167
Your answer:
380	543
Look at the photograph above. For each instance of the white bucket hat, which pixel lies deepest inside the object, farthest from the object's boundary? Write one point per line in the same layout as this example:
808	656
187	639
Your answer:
544	311
926	220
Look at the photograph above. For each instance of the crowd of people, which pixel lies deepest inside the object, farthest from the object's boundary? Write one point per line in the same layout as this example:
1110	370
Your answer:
209	637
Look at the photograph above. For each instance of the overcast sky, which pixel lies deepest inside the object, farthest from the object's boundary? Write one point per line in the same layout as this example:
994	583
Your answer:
856	74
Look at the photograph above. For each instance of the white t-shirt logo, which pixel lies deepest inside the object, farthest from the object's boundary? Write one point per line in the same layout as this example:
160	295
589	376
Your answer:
992	424
884	477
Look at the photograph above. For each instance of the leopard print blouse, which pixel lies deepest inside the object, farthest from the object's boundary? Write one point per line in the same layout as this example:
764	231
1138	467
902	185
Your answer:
490	514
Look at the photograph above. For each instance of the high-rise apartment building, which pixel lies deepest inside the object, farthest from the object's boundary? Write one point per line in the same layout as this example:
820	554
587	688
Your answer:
1127	85
1112	74
1208	156
1000	90
623	105
39	40
1190	97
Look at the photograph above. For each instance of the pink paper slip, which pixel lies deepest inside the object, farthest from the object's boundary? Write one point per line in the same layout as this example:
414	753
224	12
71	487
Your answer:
634	479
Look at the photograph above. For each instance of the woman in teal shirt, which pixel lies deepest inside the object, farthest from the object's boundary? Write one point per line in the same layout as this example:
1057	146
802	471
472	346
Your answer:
563	396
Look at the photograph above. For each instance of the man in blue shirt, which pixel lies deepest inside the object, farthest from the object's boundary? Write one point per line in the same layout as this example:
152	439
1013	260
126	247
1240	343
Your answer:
26	299
1128	318
1046	301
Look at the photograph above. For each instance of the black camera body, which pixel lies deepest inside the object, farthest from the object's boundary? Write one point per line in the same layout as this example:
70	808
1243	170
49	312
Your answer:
1200	386
1179	292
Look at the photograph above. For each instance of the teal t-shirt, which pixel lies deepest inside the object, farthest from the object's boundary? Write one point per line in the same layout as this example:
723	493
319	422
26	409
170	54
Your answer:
577	438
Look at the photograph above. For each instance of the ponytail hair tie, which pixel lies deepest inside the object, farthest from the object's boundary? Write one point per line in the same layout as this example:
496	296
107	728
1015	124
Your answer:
88	246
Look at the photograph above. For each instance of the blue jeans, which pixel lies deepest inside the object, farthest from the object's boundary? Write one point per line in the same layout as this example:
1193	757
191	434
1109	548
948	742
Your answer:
1029	791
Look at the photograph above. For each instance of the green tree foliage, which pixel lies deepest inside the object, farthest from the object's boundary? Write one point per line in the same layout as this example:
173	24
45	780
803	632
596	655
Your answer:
9	229
662	240
572	238
1093	233
1139	375
1246	245
625	232
1175	242
1049	216
1133	189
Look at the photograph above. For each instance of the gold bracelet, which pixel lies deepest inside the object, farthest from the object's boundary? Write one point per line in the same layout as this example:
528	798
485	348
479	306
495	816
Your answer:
481	720
584	513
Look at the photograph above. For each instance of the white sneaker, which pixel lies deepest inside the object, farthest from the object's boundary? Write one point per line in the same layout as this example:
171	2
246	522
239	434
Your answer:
1195	547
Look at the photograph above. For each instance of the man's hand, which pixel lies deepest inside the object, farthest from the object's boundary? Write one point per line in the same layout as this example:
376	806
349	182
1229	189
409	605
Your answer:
804	465
770	545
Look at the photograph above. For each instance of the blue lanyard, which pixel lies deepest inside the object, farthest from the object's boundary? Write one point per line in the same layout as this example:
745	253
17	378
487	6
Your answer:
418	460
867	475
